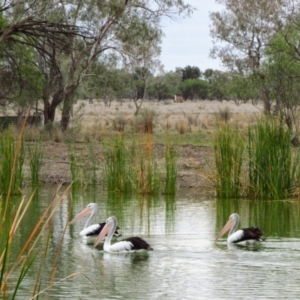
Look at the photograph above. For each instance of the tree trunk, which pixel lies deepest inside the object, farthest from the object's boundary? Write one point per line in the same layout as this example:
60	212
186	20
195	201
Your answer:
50	108
67	108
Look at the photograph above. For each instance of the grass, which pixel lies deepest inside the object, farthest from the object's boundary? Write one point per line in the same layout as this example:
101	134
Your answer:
35	151
228	149
13	270
272	165
171	170
11	163
269	169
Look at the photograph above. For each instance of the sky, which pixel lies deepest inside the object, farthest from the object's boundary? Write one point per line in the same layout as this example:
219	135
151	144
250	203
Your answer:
187	41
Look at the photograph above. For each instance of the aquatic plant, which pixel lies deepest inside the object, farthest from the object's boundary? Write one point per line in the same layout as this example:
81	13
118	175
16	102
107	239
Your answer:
171	170
128	170
228	149
118	167
35	152
11	162
14	268
272	167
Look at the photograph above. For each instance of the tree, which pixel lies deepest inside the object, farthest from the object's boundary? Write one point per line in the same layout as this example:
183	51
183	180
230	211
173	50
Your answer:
164	86
24	28
124	28
244	30
189	72
191	88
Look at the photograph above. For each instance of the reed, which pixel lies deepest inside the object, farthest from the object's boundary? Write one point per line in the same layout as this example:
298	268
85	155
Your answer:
14	270
11	163
148	174
130	171
118	167
93	166
35	151
272	167
228	149
74	168
171	170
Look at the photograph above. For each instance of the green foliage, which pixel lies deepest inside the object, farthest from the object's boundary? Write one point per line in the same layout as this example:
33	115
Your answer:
118	168
189	73
128	170
194	88
11	163
229	147
35	161
171	170
272	167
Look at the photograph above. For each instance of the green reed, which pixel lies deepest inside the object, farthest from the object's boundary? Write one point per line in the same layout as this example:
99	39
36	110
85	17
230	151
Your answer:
93	166
75	168
118	171
171	170
127	170
36	154
272	167
228	149
148	176
11	163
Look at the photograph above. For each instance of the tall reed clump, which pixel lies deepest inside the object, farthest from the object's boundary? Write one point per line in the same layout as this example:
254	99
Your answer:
11	163
228	149
171	170
118	167
148	179
35	151
130	171
272	167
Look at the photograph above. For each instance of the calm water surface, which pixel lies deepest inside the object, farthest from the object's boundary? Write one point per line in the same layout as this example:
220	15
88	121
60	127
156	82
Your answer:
186	262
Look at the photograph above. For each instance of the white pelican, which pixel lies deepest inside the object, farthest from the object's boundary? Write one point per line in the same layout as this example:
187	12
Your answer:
131	244
251	234
91	231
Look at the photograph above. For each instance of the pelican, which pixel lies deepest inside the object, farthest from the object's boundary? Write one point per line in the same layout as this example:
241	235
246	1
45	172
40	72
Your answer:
130	244
91	230
251	234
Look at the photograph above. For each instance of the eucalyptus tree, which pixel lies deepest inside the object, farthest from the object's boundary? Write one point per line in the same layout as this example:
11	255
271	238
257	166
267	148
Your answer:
25	27
189	72
282	69
242	32
164	85
121	27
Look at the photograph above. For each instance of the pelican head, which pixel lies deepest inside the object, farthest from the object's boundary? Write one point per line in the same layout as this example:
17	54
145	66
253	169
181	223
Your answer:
108	229
230	225
90	209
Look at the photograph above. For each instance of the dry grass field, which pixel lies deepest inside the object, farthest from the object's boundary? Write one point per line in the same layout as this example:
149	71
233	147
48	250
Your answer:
190	126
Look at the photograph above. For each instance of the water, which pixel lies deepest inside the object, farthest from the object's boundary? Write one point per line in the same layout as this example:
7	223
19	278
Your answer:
186	262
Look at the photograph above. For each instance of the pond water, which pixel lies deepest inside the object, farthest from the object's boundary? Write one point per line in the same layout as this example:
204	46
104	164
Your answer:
186	262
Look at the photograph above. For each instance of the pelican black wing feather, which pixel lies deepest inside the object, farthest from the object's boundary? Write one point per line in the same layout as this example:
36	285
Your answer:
252	233
99	229
138	243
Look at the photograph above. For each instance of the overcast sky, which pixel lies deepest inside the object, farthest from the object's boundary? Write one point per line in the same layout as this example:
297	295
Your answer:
187	41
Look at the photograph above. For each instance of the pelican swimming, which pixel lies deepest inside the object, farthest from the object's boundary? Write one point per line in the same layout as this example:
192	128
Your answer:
91	231
251	234
130	244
